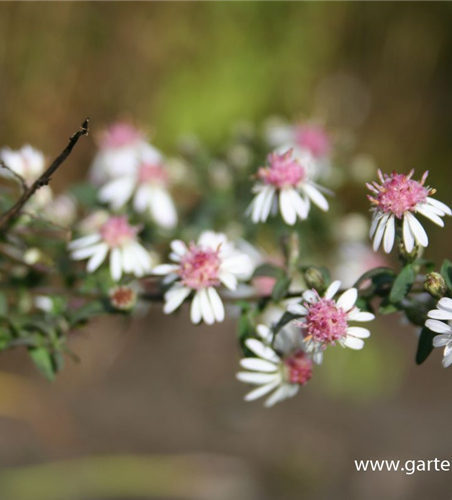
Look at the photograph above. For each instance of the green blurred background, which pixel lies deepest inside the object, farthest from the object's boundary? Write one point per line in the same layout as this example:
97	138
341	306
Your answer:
155	412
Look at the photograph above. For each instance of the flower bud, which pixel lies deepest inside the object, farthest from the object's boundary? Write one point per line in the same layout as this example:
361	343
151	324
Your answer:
435	285
315	279
123	298
406	256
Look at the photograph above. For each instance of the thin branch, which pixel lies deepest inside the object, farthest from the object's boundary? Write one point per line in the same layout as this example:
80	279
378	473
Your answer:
8	217
17	176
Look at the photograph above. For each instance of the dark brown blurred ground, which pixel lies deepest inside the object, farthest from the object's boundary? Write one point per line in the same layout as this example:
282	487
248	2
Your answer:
164	387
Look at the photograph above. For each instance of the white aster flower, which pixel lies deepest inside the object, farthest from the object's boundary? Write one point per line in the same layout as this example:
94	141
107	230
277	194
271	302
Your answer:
397	199
119	147
306	138
285	181
201	268
117	238
147	184
435	324
281	368
325	321
27	162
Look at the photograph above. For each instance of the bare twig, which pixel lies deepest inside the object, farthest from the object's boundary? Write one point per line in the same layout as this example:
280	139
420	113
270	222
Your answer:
8	217
17	176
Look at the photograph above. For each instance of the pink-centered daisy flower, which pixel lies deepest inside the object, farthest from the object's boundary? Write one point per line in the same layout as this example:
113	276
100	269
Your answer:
325	321
201	268
27	162
119	147
147	184
280	367
441	322
396	200
117	238
285	182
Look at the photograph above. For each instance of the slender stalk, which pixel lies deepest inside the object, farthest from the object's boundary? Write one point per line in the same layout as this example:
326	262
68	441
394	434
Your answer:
9	217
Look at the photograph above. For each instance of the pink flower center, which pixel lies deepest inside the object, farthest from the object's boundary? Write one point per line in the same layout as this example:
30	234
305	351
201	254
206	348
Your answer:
314	139
117	231
325	322
152	173
119	135
298	368
200	267
284	171
398	193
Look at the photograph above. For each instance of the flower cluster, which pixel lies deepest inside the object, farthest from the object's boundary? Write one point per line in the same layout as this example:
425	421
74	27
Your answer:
289	311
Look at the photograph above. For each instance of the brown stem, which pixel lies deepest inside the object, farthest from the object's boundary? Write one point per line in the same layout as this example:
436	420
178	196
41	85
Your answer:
8	217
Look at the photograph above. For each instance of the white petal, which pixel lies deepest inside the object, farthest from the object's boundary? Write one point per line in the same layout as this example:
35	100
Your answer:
258	365
426	211
418	231
179	247
264	333
332	289
84	253
375	220
279	395
217	304
267	203
299	204
174	298
437	326
347	299
440	205
441	340
228	280
254	208
389	236
408	238
195	310
162	209
445	303
142	198
297	309
117	192
261	391
163	269
85	241
357	315
98	258
309	296
357	331
440	314
256	378
115	264
262	350
206	307
380	232
316	197
286	207
353	342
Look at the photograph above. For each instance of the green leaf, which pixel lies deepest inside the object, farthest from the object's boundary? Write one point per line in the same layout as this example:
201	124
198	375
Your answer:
268	270
94	308
287	317
446	273
376	275
402	284
86	194
425	345
281	288
43	361
387	308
